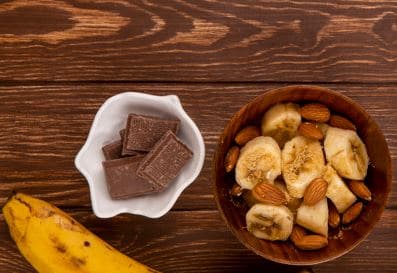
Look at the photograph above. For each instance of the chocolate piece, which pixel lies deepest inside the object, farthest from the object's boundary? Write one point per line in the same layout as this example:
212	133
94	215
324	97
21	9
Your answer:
127	152
112	150
165	161
122	180
142	132
122	134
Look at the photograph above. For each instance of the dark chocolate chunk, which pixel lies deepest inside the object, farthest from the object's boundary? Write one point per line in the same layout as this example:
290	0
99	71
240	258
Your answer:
122	179
165	161
142	132
112	150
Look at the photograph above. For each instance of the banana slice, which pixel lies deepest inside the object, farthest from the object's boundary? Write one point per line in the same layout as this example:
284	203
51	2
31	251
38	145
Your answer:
337	190
346	153
269	222
259	161
323	127
314	218
281	122
302	161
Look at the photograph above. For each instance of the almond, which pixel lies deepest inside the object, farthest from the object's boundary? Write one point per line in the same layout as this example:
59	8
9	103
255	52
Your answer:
297	233
267	193
352	213
315	112
236	190
341	122
247	134
333	216
310	130
231	158
359	189
315	192
312	242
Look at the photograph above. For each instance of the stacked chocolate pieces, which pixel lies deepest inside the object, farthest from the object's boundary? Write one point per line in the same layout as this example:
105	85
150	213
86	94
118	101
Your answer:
146	159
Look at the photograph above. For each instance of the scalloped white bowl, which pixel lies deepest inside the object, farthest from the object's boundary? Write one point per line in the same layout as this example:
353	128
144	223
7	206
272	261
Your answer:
110	118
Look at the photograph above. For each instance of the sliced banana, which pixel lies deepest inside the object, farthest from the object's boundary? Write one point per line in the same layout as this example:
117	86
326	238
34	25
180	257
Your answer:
269	222
281	122
337	190
302	161
346	153
323	127
259	161
314	218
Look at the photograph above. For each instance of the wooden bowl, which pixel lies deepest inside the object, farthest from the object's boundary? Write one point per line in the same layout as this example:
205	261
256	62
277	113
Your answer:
378	179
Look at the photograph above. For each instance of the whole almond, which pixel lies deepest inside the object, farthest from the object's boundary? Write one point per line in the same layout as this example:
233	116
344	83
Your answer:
247	134
310	130
315	112
231	158
333	216
359	189
267	193
312	242
341	122
297	233
236	190
315	192
352	213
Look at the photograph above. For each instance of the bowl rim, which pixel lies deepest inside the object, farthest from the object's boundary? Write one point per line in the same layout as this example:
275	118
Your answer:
176	103
300	88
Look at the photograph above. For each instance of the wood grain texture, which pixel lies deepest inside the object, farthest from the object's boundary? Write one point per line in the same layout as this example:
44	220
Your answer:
310	41
43	127
199	242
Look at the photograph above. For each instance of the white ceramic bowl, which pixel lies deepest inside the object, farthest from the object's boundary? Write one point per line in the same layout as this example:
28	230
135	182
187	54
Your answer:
111	118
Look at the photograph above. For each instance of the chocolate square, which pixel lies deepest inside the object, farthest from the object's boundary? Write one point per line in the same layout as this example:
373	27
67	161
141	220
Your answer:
122	179
126	152
165	161
112	150
142	132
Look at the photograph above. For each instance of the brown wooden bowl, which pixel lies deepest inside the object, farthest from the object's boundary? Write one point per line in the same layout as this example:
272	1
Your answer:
378	179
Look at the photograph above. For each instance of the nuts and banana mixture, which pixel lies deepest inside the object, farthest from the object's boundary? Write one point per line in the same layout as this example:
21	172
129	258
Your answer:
300	173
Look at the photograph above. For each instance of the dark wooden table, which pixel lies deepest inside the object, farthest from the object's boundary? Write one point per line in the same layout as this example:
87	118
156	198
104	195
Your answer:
60	60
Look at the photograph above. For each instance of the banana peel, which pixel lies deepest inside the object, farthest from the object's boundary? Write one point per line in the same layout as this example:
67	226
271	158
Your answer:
53	242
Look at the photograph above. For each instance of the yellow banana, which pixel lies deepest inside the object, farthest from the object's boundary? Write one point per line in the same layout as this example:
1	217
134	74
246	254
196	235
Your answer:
302	161
281	122
259	160
270	222
347	153
53	242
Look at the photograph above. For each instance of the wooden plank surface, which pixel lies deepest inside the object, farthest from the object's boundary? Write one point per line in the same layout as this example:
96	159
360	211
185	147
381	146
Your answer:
199	242
60	60
43	127
310	41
